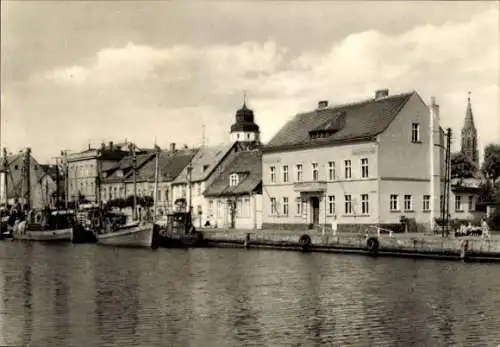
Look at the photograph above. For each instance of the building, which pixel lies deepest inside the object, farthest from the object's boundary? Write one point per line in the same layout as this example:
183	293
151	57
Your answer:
85	168
112	183
469	143
366	163
170	165
464	199
206	164
38	192
235	195
465	192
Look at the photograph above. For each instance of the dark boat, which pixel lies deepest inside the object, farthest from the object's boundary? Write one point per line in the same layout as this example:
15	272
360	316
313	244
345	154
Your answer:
87	223
177	231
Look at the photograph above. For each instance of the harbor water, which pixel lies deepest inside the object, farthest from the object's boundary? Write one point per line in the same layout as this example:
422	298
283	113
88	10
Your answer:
88	295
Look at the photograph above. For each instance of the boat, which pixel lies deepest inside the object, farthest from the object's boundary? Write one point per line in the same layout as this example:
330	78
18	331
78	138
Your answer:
133	233
46	226
177	231
87	223
130	235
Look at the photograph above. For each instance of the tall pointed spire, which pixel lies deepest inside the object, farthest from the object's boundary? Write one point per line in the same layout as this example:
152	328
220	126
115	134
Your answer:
469	117
469	135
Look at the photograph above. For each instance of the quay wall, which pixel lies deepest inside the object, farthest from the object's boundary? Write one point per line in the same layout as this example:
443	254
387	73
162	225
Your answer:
413	245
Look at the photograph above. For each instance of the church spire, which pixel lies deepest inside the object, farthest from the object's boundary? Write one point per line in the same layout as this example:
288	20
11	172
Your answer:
469	117
469	135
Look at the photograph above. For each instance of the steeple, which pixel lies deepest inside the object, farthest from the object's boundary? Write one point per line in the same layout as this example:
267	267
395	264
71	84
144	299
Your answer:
469	135
244	130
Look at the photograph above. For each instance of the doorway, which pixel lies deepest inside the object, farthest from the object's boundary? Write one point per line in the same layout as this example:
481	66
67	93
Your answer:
315	210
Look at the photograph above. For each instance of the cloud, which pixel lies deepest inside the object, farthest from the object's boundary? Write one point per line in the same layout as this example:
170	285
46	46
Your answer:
139	90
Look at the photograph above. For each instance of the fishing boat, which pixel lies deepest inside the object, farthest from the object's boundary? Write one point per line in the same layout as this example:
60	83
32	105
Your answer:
47	226
178	231
133	233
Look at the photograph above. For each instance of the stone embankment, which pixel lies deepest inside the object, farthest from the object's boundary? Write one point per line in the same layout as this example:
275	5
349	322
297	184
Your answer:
407	245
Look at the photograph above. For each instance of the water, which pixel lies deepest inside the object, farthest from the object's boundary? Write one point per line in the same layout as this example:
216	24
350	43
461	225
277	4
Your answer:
88	295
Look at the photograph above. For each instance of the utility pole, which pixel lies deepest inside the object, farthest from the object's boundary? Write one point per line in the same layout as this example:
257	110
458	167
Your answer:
446	193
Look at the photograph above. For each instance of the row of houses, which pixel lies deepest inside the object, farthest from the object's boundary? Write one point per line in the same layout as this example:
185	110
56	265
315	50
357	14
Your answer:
376	161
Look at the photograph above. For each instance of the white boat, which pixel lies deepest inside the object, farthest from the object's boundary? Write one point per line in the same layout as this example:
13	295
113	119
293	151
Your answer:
20	232
132	235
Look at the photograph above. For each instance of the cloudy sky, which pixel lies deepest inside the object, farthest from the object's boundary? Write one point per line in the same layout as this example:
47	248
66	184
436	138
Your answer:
74	73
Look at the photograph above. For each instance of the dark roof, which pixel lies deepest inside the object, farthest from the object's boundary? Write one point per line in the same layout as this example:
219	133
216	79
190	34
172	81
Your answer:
205	162
339	124
248	164
125	166
170	165
244	120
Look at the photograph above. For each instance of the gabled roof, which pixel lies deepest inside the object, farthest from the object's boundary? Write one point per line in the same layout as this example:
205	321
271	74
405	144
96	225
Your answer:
204	163
248	164
125	166
170	164
342	123
15	173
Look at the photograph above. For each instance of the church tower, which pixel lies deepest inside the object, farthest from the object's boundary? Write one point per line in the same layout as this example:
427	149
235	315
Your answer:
244	130
469	136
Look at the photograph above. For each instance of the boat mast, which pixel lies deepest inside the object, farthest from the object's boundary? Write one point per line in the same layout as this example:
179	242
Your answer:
57	184
27	167
190	171
132	150
5	177
155	196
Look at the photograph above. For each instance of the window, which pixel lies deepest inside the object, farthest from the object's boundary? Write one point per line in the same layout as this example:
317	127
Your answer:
364	167
299	172
394	202
415	132
298	206
347	165
365	207
407	202
274	210
331	170
458	203
238	208
285	206
166	196
331	205
427	203
273	174
471	203
315	174
233	180
285	173
348	204
219	208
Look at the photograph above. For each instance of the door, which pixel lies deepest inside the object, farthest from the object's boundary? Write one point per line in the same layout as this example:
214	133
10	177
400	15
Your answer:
315	210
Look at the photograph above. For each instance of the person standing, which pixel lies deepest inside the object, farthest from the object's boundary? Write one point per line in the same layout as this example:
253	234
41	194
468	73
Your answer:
334	225
485	229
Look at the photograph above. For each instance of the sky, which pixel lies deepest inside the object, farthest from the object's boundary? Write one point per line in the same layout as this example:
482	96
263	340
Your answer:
75	73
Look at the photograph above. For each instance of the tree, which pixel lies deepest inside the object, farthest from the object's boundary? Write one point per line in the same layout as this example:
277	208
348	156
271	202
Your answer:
462	166
491	164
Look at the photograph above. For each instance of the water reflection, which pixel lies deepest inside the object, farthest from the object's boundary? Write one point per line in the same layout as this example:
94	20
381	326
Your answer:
96	296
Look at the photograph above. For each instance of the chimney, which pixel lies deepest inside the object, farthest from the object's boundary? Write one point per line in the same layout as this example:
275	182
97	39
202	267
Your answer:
381	93
434	107
111	145
172	147
322	104
103	146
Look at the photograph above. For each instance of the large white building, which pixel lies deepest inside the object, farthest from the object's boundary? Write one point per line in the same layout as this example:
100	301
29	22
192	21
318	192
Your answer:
369	163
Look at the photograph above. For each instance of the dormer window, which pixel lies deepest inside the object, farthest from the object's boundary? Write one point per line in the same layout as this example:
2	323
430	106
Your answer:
119	173
234	179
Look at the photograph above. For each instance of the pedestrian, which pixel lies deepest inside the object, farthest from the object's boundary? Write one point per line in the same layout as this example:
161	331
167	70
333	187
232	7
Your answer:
485	229
334	225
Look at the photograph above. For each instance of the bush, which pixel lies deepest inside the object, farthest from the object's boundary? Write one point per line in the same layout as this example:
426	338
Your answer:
494	220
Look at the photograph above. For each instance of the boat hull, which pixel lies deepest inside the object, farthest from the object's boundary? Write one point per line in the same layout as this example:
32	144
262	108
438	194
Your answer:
172	240
58	235
137	236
